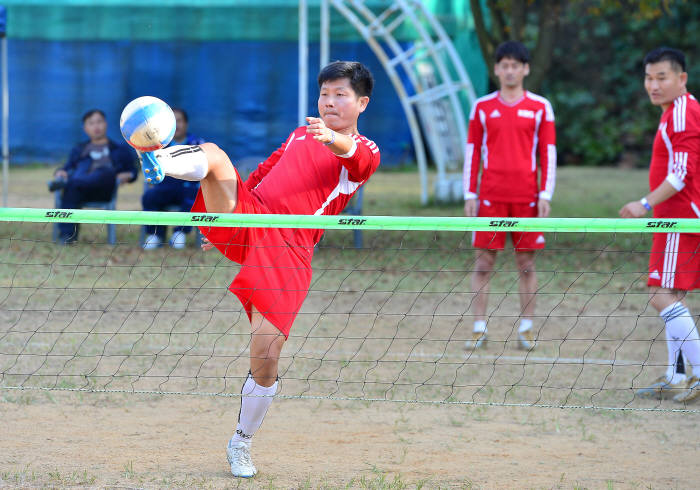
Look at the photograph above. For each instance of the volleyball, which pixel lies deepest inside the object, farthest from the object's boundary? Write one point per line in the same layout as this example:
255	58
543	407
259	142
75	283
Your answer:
147	123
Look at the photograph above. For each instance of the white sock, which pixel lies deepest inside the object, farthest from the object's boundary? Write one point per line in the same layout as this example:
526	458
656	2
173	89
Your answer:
672	347
525	325
183	162
680	327
253	409
480	326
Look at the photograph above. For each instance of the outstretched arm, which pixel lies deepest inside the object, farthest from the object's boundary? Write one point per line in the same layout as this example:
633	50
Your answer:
359	155
340	144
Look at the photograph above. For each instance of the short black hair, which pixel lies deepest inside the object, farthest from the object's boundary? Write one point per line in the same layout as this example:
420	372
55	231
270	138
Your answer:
663	53
181	111
92	112
361	79
512	49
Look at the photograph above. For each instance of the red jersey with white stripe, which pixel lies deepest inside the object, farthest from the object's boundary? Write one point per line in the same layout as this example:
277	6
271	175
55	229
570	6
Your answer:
304	177
508	138
675	157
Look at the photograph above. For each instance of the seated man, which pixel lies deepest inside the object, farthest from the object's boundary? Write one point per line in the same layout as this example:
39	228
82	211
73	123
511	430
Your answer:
171	192
92	170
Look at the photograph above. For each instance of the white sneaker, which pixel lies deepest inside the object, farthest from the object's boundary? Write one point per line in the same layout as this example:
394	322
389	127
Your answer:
477	341
238	456
526	340
662	388
178	240
691	392
151	242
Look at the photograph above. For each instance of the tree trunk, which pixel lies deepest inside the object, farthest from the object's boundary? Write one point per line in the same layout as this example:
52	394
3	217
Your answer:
542	55
507	22
486	41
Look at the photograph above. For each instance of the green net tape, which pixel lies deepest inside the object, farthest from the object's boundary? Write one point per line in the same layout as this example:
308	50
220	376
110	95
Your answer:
342	222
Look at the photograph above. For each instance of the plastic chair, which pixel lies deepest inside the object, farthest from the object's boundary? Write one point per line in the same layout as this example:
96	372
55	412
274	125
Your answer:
110	205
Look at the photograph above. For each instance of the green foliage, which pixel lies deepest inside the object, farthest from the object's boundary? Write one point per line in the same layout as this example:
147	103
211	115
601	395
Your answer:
596	81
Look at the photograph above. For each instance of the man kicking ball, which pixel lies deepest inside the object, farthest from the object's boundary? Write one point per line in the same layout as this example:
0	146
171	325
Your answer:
315	172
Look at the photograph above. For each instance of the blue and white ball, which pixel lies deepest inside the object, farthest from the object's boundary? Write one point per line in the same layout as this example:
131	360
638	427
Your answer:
147	124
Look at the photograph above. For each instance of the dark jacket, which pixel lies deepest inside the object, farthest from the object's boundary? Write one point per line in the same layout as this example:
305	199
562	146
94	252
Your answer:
123	160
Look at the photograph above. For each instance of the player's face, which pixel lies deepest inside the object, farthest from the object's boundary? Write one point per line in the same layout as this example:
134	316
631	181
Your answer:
180	126
339	106
663	83
511	72
95	126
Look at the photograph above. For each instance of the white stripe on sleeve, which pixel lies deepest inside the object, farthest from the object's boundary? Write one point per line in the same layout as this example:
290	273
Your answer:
551	170
467	172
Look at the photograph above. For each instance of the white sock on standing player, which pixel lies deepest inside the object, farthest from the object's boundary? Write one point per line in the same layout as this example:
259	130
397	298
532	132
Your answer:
184	162
681	329
672	374
255	401
525	325
480	326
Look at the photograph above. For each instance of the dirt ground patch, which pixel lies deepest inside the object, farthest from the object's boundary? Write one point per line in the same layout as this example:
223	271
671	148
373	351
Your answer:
155	442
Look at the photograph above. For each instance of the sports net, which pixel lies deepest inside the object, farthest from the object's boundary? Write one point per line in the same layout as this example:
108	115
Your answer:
384	322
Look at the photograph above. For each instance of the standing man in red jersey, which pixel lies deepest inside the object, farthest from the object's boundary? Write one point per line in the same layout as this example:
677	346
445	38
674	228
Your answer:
674	264
508	130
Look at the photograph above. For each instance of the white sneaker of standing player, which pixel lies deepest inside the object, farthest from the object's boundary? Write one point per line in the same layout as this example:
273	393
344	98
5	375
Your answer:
238	456
151	242
177	241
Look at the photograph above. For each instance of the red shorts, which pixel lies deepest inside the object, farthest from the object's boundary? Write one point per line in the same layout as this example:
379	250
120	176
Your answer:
674	262
276	271
496	240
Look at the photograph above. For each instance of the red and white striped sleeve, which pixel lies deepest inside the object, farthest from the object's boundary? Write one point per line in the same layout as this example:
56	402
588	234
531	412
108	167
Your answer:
547	151
683	142
472	153
362	159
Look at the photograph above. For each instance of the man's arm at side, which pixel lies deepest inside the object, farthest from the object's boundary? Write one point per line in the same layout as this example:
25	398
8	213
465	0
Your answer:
547	150
636	209
472	160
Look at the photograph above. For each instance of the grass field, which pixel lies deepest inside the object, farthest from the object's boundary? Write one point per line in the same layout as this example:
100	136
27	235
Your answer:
385	322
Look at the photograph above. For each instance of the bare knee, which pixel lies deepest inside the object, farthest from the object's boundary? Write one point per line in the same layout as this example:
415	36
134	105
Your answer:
264	360
484	263
265	349
526	263
213	152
